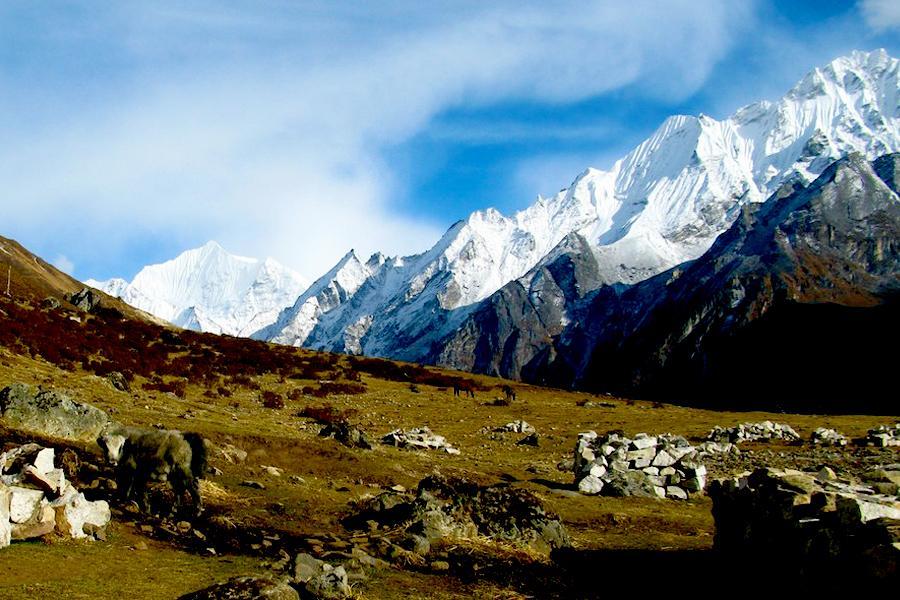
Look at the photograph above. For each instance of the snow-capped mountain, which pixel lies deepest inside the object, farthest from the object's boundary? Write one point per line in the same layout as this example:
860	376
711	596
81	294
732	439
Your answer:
208	289
661	205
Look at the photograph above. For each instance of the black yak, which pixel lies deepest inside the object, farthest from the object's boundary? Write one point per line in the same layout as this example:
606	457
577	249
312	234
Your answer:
142	456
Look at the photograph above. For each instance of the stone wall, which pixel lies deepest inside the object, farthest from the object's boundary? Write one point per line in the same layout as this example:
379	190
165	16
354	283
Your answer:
816	523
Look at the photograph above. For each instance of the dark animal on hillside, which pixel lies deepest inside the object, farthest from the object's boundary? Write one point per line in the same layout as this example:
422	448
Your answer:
510	393
141	456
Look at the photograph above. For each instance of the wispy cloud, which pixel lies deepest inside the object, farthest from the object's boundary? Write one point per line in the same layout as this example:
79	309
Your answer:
881	15
262	124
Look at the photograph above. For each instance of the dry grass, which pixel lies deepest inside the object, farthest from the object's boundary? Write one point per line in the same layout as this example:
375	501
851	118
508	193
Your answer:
333	475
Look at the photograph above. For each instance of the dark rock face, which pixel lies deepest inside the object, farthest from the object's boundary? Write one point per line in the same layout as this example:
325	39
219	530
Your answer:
86	299
514	326
788	309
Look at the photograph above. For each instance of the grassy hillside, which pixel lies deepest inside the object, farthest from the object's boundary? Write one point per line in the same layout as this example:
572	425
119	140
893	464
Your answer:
221	387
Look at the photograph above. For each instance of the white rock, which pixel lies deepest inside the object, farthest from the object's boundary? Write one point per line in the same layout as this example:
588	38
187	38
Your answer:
44	460
659	491
590	485
5	529
640	443
597	470
664	459
71	518
25	503
673	491
855	510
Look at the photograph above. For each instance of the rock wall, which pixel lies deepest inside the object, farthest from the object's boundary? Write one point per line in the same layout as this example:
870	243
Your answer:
815	522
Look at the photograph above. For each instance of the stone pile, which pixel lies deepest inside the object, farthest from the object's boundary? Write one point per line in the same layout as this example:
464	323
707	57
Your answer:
515	427
824	436
814	522
884	436
452	508
36	499
419	438
751	432
710	448
663	466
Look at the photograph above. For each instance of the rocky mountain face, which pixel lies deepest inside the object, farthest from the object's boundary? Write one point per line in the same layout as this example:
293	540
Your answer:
210	290
490	293
496	293
803	288
675	194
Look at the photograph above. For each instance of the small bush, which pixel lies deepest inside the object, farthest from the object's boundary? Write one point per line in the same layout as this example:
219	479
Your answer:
272	400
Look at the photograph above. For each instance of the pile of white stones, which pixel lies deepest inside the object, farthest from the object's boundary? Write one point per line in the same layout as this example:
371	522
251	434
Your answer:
883	436
515	427
36	499
663	466
811	520
418	438
749	432
824	436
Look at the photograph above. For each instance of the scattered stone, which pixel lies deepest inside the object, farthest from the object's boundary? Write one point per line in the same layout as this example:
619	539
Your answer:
271	471
253	484
515	427
246	588
827	526
751	432
883	436
647	466
232	454
50	414
50	303
439	566
823	436
418	438
347	434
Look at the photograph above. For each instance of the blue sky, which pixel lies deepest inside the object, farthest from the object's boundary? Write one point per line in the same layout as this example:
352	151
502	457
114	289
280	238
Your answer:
132	130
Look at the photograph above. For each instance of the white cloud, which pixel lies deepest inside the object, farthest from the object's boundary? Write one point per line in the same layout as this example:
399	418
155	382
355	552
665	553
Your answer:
881	15
262	125
63	263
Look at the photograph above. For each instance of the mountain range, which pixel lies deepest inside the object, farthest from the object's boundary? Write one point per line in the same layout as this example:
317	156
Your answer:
508	295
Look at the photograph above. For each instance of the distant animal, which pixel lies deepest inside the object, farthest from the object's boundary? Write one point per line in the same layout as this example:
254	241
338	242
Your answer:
141	456
510	393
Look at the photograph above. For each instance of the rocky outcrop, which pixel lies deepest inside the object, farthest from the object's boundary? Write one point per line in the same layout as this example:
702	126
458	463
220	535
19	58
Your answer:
753	432
50	413
816	522
321	579
449	508
346	434
663	466
85	299
418	438
742	323
36	499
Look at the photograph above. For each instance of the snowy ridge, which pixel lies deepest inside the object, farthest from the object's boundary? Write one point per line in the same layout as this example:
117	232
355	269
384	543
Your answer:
208	289
662	204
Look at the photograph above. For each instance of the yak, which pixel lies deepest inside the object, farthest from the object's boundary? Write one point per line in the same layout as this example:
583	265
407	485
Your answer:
141	456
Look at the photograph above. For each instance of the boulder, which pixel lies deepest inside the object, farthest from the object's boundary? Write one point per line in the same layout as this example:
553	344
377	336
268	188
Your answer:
347	434
73	516
5	528
245	588
42	522
25	503
85	299
331	584
419	438
50	413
